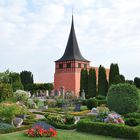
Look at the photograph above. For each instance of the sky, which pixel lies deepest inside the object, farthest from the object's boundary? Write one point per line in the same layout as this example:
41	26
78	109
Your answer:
34	33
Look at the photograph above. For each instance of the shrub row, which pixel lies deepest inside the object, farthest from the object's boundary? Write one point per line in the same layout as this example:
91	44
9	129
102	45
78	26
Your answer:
62	126
108	129
132	121
10	130
133	115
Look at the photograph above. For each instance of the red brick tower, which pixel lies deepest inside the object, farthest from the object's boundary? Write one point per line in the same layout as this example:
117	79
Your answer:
68	67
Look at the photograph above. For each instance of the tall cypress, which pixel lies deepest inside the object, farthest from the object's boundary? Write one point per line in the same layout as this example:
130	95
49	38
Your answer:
92	83
81	81
84	82
102	81
114	72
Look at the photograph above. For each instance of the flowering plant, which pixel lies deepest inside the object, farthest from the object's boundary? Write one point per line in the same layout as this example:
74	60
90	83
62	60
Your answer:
38	131
114	118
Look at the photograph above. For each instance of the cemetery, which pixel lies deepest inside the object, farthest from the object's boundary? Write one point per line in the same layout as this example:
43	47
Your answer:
81	102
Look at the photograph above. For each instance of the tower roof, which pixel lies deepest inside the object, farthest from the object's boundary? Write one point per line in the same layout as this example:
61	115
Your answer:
72	51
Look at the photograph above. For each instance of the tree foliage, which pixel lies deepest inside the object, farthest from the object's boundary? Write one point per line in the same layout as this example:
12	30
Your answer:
102	81
5	91
92	83
137	82
84	82
26	79
123	98
114	72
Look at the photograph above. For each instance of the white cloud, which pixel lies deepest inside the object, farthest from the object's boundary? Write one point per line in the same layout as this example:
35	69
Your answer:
34	34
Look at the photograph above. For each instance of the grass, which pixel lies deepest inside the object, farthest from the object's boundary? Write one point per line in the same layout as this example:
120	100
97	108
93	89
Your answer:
62	135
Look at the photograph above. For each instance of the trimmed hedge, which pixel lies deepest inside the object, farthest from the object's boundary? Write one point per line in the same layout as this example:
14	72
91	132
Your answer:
108	129
133	115
62	126
10	130
132	121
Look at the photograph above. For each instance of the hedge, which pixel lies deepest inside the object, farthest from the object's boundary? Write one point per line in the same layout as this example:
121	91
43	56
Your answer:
133	115
108	129
62	126
10	130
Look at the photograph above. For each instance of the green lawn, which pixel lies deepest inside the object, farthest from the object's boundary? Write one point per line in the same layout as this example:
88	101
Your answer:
62	135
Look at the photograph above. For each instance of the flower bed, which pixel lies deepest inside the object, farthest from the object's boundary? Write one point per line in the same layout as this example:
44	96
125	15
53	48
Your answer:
81	113
109	129
38	131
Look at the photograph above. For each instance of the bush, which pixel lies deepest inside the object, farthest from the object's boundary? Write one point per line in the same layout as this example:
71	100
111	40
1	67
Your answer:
102	102
100	97
10	110
10	130
84	102
132	121
92	102
108	129
5	126
69	119
133	115
123	98
62	126
50	103
61	102
5	91
21	95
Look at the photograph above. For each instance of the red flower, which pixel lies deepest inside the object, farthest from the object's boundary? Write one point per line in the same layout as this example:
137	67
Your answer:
38	131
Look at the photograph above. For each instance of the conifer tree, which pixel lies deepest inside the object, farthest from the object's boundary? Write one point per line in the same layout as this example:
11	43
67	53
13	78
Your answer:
84	82
114	72
92	83
102	81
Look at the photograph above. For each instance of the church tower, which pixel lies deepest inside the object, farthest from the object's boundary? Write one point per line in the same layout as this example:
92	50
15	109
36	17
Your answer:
68	67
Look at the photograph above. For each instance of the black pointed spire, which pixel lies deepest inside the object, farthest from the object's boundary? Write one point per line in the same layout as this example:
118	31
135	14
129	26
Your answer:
72	51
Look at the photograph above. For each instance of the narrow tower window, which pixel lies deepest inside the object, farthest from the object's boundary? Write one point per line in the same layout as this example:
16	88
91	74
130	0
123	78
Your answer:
60	66
85	65
79	65
68	65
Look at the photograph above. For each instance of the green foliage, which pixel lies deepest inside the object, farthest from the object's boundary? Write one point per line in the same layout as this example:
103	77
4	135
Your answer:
4	76
26	78
21	95
15	81
114	72
101	100
137	82
50	103
84	82
119	79
92	102
62	126
9	110
133	115
123	98
5	126
10	130
132	121
5	91
61	121
108	129
69	119
102	81
61	102
92	83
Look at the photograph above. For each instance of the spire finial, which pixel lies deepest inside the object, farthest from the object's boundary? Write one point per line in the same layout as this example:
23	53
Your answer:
72	10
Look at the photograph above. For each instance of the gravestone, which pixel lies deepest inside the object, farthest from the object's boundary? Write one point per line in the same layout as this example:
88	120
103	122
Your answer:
83	94
77	107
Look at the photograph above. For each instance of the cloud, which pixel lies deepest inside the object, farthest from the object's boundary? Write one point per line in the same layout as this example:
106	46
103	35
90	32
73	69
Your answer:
34	34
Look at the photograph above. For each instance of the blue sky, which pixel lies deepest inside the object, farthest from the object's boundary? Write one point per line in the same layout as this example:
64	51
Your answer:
34	33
